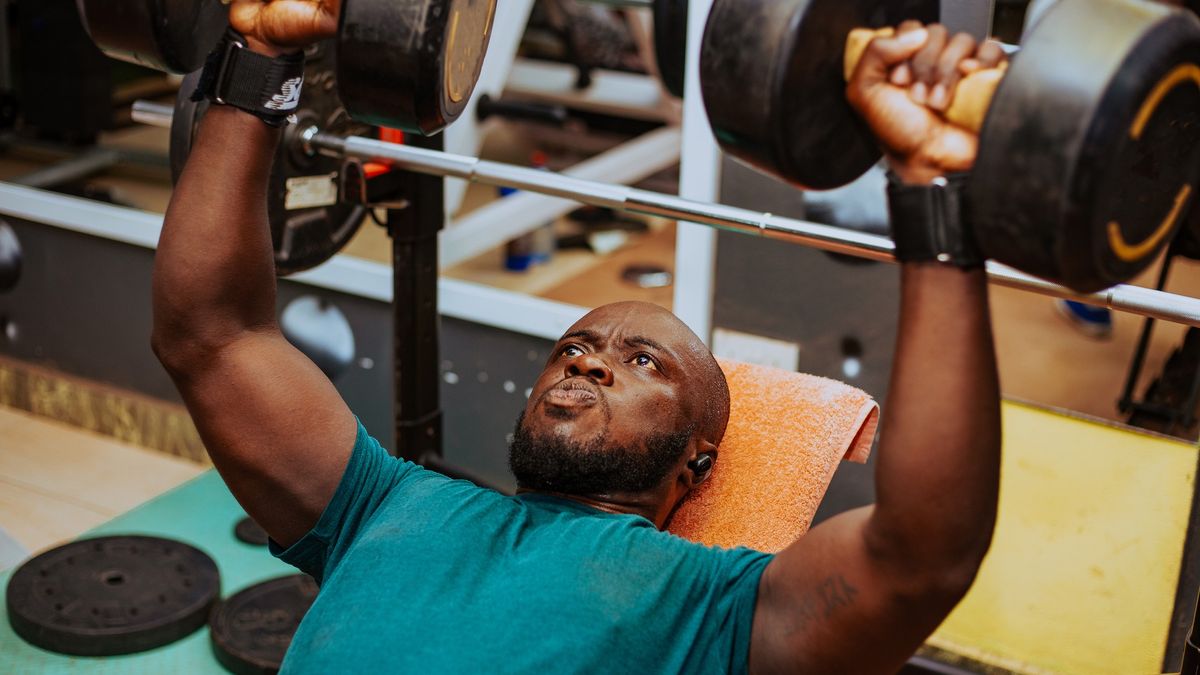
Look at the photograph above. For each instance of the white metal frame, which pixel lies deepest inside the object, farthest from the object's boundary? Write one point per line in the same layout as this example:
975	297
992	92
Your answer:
458	299
465	136
504	219
638	97
699	179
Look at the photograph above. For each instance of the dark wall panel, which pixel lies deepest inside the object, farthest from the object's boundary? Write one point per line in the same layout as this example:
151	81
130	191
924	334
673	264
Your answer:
82	306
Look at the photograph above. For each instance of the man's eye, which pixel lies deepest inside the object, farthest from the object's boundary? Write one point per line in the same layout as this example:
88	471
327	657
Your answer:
572	351
645	361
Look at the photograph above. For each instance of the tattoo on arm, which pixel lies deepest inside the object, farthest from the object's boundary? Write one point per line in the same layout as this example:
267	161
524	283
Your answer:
832	594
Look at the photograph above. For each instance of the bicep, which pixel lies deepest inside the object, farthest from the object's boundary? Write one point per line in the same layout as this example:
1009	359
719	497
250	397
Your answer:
826	606
275	427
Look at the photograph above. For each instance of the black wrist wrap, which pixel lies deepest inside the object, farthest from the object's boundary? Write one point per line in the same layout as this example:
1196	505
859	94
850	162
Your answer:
929	222
268	88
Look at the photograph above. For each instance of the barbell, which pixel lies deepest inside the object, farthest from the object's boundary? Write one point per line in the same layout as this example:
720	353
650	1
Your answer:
1089	152
781	52
1121	297
309	221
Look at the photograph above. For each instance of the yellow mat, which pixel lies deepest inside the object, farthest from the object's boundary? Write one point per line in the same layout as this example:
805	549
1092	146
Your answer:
1083	569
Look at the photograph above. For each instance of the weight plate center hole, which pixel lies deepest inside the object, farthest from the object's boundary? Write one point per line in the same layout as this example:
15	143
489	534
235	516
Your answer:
113	577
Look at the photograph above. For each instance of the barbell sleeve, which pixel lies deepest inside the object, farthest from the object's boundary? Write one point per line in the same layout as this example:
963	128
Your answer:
1122	297
152	114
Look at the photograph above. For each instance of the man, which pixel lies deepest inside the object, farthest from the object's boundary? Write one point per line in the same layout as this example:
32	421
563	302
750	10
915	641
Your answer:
420	573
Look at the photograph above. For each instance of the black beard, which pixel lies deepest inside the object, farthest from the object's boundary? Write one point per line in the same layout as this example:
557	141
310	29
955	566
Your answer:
551	464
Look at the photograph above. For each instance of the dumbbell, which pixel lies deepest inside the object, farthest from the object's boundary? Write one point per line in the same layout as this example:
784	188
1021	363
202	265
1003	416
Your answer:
410	65
670	37
1089	142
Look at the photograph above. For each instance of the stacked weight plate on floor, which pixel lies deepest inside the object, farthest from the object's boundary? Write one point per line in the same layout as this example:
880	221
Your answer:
248	531
112	595
1089	153
251	630
409	65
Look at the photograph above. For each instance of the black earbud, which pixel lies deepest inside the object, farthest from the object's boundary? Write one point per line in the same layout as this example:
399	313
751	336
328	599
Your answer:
701	466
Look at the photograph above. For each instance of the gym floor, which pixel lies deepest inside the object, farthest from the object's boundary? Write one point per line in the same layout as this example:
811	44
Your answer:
1042	359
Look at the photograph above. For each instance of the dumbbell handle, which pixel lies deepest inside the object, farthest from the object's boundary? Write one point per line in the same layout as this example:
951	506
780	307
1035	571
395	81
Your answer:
972	96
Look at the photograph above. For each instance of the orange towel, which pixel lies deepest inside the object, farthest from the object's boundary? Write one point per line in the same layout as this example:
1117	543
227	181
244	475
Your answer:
787	434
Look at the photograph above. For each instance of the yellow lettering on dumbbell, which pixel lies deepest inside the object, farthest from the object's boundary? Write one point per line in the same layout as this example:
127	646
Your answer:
1185	73
1134	252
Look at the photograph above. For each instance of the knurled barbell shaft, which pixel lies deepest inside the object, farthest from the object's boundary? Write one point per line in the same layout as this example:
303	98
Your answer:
1122	297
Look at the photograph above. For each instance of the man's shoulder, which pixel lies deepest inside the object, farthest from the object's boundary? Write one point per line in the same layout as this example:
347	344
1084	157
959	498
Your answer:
428	485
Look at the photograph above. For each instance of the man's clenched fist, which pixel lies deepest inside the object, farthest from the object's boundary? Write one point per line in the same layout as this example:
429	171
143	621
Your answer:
277	26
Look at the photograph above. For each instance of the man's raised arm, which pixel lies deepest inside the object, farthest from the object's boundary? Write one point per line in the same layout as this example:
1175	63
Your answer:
863	590
276	428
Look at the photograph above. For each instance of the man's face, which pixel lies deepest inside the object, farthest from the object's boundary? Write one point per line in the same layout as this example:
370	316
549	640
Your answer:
613	410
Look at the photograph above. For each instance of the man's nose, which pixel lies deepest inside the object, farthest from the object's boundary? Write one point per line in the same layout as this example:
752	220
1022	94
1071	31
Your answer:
592	366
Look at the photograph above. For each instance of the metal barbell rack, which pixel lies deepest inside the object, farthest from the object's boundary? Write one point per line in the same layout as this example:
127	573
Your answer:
1127	298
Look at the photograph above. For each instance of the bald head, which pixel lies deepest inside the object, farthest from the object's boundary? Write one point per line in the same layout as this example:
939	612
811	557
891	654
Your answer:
706	394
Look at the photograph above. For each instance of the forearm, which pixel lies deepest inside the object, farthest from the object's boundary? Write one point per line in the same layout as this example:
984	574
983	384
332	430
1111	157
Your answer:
214	270
938	467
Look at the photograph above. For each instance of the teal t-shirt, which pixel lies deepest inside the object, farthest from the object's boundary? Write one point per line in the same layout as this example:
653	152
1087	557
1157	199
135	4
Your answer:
423	574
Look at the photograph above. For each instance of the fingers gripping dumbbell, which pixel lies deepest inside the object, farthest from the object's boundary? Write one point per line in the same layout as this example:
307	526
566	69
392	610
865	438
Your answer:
1089	146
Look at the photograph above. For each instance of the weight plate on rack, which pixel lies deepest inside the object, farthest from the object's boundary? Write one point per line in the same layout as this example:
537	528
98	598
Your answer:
670	43
308	222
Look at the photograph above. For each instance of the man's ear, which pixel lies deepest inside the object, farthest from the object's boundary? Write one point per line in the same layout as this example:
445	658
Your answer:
702	464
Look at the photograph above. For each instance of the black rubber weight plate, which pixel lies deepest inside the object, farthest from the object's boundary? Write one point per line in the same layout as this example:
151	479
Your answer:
251	630
112	595
250	532
670	43
308	222
411	65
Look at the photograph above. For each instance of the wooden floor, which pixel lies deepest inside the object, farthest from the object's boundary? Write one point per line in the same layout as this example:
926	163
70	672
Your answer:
57	482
